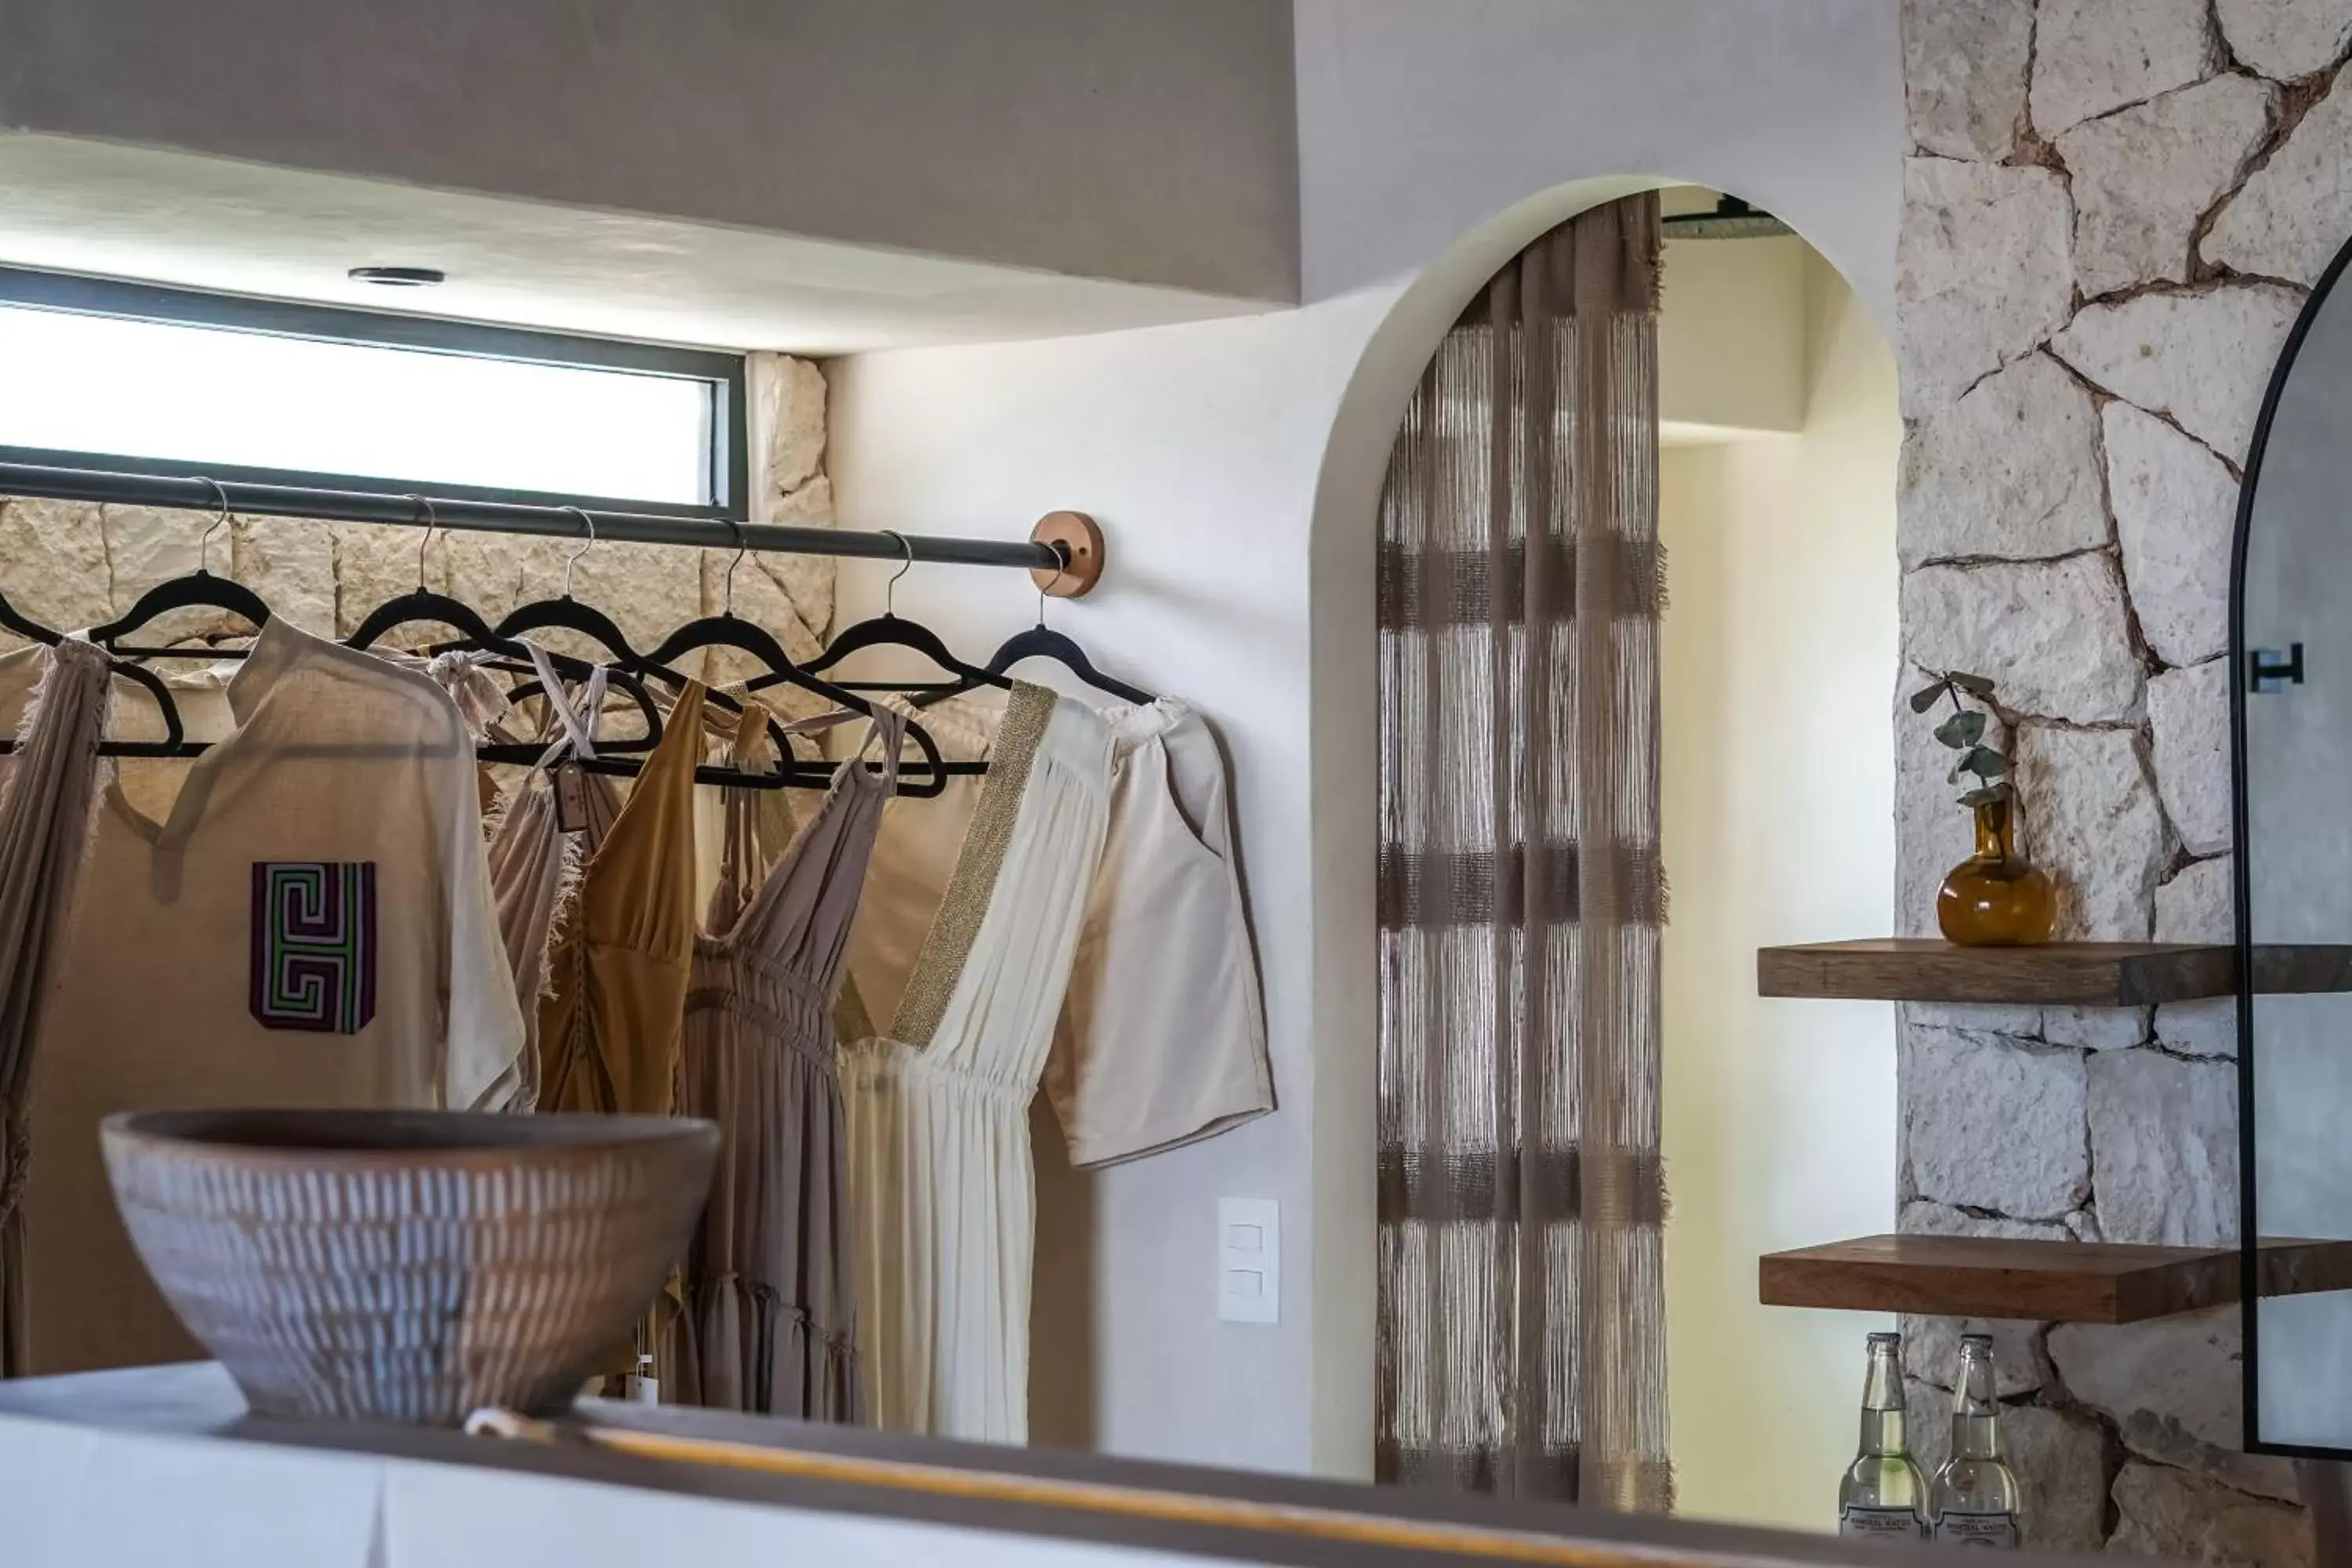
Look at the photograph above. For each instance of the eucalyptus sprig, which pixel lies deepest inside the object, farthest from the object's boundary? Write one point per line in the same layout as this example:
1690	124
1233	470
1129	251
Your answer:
1963	730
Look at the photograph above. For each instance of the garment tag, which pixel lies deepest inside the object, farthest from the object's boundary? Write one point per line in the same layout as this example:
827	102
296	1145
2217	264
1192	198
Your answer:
571	797
1996	1531
1900	1523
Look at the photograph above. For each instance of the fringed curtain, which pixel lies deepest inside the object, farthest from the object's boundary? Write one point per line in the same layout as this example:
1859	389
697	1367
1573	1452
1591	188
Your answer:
1522	1313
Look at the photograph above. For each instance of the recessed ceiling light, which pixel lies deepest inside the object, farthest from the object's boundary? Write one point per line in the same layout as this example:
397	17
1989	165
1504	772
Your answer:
399	277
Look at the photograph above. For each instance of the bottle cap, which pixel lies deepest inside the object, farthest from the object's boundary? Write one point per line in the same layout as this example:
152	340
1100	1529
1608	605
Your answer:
1885	1342
1976	1345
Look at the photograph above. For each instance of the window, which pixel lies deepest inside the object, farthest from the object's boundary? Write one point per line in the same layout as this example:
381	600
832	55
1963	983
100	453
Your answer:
135	379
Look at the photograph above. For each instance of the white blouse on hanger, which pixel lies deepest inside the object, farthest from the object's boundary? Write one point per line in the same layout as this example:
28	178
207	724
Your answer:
940	1178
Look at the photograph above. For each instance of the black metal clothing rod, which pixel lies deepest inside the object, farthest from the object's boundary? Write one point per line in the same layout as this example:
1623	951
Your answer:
510	517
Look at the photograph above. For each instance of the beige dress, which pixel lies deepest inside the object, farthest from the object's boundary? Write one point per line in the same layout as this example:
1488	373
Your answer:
769	1293
608	1033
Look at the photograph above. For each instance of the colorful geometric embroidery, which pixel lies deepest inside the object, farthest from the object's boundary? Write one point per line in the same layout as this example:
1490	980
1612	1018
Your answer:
314	945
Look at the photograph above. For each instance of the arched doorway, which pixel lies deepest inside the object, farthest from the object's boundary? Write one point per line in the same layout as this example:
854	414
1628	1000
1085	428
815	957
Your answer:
1778	484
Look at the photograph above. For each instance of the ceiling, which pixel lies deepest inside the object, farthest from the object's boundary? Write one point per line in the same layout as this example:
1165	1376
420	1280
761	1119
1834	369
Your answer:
205	222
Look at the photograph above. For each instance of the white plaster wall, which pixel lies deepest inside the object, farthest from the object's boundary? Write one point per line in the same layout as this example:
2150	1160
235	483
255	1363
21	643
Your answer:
1731	339
1779	644
1236	465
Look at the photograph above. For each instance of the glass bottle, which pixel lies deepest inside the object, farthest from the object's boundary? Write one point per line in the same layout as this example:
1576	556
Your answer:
1996	897
1974	1499
1882	1495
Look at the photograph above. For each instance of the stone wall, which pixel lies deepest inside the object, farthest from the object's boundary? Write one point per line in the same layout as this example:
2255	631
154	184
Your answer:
73	564
2113	211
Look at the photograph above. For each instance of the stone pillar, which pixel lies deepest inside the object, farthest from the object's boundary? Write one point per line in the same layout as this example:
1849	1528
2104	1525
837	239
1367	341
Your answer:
2113	212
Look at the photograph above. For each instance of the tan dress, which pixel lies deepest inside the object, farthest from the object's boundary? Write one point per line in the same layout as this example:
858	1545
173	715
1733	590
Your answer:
769	1282
608	1034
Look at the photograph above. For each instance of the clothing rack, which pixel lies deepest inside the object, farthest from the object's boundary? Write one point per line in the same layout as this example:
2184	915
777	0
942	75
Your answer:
1064	553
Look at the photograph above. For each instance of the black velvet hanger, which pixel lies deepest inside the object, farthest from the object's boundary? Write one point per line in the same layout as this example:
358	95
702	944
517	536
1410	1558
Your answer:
889	629
174	741
197	589
727	629
1040	641
423	606
564	613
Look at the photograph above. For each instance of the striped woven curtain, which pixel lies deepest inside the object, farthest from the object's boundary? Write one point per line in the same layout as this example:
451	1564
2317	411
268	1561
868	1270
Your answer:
1522	1312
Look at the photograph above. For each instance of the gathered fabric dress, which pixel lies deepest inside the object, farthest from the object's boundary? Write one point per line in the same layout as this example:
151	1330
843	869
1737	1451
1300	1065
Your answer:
534	864
48	787
608	1032
769	1298
941	1180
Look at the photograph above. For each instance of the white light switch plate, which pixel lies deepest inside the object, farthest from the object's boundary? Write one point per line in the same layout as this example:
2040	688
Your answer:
1249	1260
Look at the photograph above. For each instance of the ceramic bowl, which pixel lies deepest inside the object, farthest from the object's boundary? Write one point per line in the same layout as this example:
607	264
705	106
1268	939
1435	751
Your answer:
408	1265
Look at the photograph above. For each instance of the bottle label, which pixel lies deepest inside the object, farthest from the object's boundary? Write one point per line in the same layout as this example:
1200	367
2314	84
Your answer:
1994	1532
1880	1522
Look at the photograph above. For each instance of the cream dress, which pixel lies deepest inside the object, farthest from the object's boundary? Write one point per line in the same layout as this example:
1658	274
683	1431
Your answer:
943	1192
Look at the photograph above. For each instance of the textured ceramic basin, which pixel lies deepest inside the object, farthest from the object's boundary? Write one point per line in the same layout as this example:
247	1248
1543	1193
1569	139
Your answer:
408	1265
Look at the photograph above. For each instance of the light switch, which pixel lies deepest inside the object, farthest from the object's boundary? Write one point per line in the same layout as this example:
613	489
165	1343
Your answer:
1249	1260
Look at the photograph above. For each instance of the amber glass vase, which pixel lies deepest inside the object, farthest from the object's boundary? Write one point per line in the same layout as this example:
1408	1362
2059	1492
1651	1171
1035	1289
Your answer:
1996	897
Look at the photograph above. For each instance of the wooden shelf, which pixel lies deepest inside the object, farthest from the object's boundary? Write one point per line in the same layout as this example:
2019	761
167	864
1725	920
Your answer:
2058	973
2046	1282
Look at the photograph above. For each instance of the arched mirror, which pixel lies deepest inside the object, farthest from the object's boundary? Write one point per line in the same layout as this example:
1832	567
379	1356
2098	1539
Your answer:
2291	645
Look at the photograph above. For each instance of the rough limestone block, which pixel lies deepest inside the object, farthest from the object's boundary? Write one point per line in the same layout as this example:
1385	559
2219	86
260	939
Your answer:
1993	1123
2195	905
2189	716
485	570
2206	1028
2173	1386
148	545
806	580
2164	1148
290	562
373	564
1964	64
786	398
2294	214
2175	515
2060	1458
2287	40
2169	1513
2095	1029
2009	472
2052	635
2093	57
55	554
2204	355
2092	822
2144	176
1925	1218
1982	272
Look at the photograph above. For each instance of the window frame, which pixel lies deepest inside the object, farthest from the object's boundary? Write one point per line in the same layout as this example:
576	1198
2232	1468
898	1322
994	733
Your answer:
728	457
